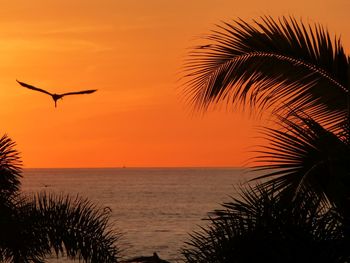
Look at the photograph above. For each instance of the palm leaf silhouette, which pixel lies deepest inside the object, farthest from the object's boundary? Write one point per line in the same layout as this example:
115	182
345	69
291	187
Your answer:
10	167
262	226
282	62
300	211
34	227
303	156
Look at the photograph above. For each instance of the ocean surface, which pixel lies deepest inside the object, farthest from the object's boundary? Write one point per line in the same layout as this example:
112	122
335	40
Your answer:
154	208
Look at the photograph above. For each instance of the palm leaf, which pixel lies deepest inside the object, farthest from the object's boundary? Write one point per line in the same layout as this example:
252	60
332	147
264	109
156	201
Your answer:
34	228
76	227
31	228
10	166
283	63
21	238
262	226
304	155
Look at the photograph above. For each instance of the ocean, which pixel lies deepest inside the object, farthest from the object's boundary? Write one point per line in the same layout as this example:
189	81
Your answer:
155	209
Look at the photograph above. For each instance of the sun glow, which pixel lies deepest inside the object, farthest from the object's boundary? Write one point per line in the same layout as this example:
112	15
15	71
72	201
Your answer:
132	52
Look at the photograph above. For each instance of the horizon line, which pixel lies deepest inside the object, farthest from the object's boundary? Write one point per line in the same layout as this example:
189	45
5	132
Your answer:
140	167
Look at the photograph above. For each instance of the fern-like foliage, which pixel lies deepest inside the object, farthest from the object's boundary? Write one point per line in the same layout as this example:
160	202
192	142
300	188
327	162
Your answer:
303	155
35	227
300	211
10	167
281	63
263	226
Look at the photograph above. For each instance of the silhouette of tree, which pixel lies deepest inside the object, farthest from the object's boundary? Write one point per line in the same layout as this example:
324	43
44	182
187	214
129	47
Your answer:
297	73
284	64
10	167
32	228
262	226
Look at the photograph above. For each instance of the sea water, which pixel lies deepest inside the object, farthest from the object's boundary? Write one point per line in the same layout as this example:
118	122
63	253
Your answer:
155	209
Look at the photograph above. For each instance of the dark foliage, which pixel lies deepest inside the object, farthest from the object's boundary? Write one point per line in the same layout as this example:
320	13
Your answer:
281	63
303	156
32	228
301	210
10	167
263	226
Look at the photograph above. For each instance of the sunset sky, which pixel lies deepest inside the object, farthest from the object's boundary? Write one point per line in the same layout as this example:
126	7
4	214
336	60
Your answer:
132	52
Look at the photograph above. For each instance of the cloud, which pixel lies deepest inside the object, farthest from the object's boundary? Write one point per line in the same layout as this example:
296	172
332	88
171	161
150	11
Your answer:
78	30
52	44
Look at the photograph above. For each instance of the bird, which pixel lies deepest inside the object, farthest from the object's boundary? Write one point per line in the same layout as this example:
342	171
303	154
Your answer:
55	96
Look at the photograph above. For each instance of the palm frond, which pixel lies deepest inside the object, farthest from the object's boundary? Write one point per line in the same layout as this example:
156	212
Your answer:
304	155
10	166
76	227
282	63
20	239
34	228
262	226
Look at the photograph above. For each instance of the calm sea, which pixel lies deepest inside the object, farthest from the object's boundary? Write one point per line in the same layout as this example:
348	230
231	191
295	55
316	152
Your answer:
154	208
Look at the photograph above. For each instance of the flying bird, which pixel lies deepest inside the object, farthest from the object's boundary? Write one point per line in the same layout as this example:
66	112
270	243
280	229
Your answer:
55	96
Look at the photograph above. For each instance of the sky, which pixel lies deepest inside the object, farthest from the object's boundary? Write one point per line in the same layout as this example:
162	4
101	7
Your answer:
132	52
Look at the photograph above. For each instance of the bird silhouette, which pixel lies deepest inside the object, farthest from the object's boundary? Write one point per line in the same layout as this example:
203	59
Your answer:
55	96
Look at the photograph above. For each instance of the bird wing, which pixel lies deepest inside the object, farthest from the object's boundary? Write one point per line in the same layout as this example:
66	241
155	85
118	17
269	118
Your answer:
33	88
79	92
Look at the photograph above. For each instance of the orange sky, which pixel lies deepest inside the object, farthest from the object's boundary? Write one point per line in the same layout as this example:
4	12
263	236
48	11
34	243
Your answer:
131	51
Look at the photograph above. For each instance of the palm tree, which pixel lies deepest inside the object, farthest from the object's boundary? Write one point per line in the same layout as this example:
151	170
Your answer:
10	167
297	73
33	228
293	70
281	63
262	226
